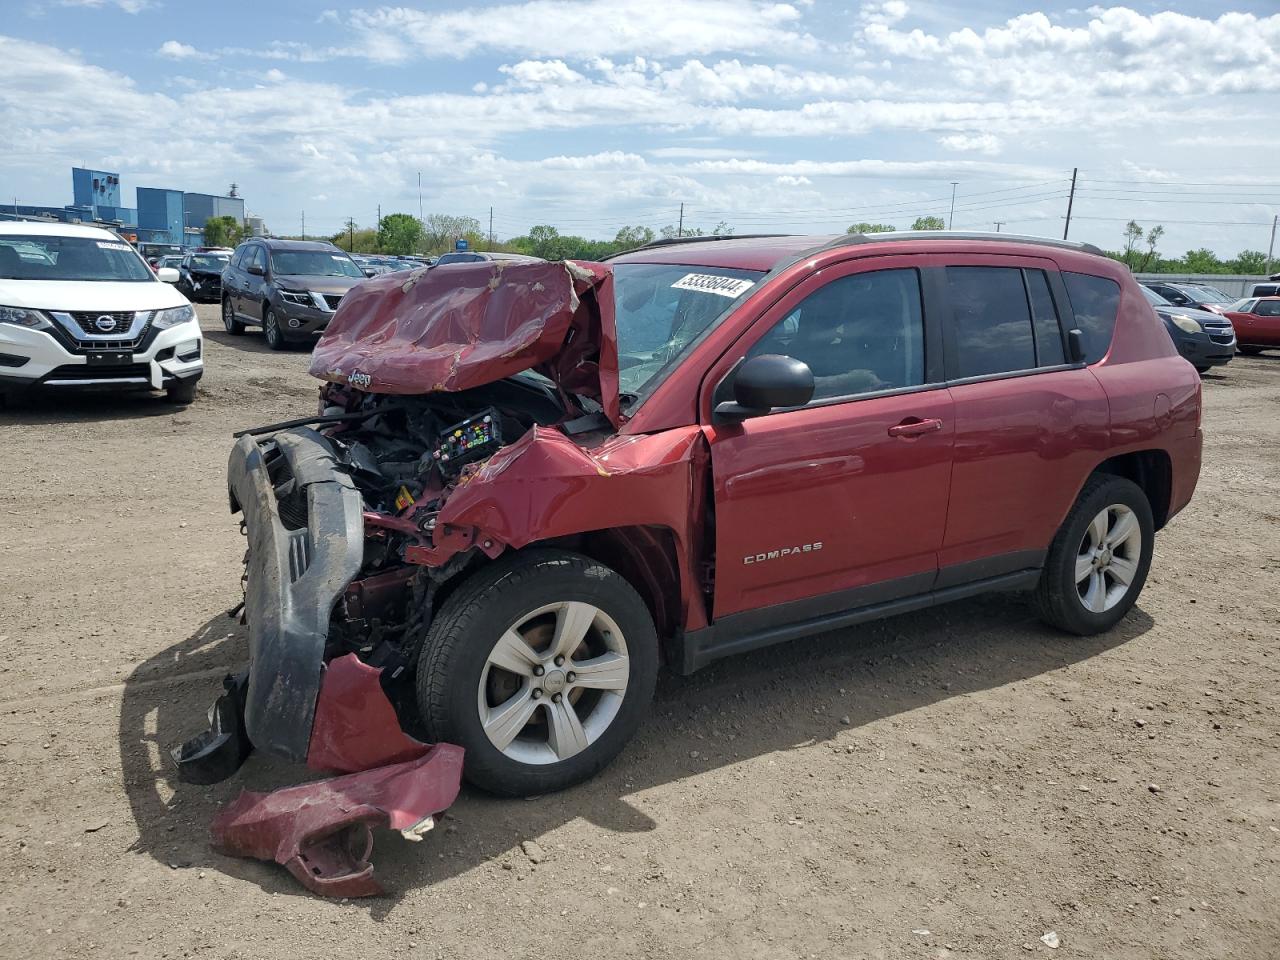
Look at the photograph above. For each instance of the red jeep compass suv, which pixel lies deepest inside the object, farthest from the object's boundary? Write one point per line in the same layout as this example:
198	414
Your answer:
530	485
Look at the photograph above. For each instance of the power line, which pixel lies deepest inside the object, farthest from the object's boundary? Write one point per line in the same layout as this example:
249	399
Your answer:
1203	223
1184	183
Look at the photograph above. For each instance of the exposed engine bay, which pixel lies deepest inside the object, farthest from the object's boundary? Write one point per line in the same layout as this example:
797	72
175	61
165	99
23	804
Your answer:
406	455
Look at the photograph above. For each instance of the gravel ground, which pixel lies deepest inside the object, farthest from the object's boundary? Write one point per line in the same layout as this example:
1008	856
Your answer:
957	782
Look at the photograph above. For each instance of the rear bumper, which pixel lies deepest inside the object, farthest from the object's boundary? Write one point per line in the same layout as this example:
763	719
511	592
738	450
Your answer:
294	578
1185	454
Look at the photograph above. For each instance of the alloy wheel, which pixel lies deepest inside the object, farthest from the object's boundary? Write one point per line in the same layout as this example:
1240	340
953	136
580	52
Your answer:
553	683
1108	557
271	330
228	316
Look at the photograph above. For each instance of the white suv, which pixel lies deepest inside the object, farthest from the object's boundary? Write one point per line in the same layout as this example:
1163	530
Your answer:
80	308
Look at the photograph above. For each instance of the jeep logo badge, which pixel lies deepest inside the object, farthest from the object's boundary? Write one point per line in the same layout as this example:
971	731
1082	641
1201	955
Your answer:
105	323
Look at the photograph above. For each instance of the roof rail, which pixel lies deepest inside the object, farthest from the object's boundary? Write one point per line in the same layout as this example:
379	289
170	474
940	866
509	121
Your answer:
672	241
963	235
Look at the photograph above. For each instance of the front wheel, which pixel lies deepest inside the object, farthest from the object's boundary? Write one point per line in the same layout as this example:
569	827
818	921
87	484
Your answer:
541	667
182	392
1203	370
1249	351
1099	559
271	330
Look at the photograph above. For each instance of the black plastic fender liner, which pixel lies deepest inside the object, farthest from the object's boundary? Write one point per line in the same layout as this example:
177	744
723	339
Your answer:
294	579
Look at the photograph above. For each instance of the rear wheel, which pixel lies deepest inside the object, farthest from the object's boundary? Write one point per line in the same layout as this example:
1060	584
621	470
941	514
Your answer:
271	330
541	667
1099	559
233	326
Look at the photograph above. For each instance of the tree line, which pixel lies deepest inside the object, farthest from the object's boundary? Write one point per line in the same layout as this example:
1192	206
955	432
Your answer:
1141	254
403	233
436	233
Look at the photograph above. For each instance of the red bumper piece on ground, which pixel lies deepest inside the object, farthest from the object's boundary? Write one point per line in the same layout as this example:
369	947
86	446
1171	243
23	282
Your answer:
356	728
322	832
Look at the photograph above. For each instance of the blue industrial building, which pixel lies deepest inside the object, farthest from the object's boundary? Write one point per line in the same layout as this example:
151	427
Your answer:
160	213
162	216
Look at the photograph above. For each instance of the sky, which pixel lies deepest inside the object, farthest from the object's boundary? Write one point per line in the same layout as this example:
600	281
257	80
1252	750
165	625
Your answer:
805	116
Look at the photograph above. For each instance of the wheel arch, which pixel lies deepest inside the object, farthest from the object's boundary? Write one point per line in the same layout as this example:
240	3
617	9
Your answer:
645	556
1152	471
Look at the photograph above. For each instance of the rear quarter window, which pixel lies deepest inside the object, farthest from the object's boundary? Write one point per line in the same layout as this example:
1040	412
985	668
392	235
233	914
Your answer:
1095	302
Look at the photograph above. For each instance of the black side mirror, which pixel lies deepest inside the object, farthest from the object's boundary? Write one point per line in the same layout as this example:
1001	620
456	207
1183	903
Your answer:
1076	351
256	270
765	382
370	272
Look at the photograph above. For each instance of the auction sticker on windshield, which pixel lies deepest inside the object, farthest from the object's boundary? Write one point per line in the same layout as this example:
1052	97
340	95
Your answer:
731	287
112	246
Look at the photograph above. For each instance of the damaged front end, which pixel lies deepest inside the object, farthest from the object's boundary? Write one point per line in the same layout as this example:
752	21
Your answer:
346	514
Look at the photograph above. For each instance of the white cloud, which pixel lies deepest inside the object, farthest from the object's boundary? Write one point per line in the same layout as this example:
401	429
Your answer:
176	50
535	73
888	12
1118	52
974	142
584	29
128	6
787	180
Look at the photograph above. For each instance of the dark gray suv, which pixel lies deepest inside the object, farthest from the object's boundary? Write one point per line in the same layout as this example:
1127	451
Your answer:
290	288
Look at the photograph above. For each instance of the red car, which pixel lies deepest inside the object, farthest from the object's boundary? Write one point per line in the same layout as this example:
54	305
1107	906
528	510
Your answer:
1256	322
530	486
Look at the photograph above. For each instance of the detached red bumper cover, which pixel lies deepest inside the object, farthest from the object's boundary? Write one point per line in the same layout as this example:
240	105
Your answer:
322	832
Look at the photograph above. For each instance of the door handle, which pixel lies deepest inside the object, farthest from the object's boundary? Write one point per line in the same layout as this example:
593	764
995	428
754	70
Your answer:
915	427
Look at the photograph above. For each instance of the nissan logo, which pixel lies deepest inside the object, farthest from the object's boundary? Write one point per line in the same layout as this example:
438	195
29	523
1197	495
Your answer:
106	323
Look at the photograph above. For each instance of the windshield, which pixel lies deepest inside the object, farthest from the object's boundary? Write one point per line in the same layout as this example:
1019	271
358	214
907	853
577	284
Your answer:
1154	298
69	258
660	309
314	263
209	262
1207	294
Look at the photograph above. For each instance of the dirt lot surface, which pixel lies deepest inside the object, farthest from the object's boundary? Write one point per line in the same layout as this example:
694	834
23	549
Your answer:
958	782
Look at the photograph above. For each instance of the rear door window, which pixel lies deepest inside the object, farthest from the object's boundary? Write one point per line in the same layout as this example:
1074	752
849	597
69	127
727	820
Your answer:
991	322
1095	301
1267	308
1044	318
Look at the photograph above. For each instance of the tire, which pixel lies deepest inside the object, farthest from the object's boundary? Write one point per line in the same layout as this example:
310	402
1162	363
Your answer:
1203	370
1058	596
457	678
1249	351
233	326
271	330
183	392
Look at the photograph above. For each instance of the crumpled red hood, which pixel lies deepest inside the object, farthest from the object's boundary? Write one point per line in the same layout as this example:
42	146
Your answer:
464	325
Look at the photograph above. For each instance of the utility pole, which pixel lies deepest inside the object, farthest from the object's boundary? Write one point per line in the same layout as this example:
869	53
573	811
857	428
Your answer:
1271	247
304	224
999	224
351	234
951	215
491	226
378	236
1071	198
419	196
680	229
